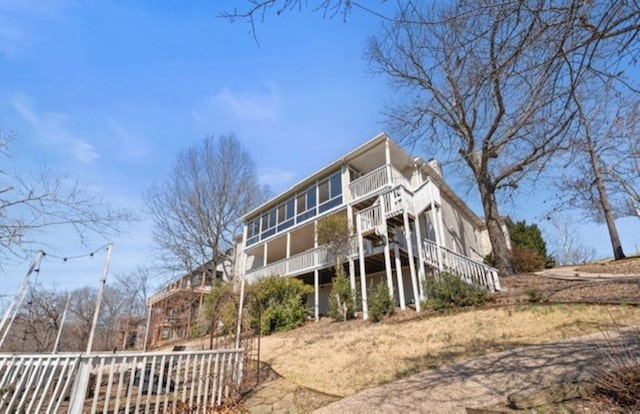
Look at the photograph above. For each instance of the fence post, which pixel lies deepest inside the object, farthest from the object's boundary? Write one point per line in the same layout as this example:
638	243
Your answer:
79	388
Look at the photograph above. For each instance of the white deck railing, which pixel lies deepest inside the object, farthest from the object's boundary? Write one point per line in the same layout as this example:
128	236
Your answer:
385	176
470	270
370	218
304	262
158	382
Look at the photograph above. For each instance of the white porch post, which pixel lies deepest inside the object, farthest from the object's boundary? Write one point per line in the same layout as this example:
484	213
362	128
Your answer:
387	160
363	281
316	286
265	251
412	265
288	253
421	274
387	255
396	253
316	278
352	265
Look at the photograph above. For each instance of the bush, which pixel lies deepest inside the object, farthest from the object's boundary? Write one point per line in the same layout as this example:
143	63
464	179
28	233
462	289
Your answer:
281	300
222	307
527	260
341	300
447	290
380	303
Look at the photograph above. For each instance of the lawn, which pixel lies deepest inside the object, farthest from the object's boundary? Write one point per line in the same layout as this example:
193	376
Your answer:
345	358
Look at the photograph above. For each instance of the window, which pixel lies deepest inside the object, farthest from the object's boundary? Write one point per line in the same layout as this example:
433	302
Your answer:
330	192
306	204
323	191
253	231
285	214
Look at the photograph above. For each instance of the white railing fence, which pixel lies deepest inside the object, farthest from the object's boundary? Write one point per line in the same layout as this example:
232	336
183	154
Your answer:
159	382
470	270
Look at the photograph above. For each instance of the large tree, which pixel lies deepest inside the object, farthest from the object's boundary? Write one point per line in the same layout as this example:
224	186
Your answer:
33	203
495	83
597	176
197	208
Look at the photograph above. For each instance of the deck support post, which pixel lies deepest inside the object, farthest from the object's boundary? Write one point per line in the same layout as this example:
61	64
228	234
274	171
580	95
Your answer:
316	288
363	275
412	264
396	254
421	273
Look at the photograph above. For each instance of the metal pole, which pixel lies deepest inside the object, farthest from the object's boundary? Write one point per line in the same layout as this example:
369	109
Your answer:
64	315
239	328
21	293
103	281
146	331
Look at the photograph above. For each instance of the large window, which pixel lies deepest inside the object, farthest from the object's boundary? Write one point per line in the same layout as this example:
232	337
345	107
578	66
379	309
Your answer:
306	204
330	192
315	199
286	212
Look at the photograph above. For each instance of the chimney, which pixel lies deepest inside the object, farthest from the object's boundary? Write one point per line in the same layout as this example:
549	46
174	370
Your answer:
435	165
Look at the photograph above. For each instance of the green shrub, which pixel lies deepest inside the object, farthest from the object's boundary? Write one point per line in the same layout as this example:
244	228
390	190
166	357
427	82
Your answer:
446	290
380	303
341	300
534	295
281	301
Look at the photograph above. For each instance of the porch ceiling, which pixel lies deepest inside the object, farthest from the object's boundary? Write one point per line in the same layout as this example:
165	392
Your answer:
374	158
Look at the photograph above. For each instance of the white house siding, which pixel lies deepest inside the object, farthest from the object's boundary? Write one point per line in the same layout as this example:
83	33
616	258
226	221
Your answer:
459	232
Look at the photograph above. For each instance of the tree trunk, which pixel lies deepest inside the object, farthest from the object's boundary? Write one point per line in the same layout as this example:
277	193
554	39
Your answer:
501	252
604	203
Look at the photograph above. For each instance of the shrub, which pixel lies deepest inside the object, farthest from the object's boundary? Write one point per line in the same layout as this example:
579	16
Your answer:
380	303
341	300
281	300
222	308
446	290
527	260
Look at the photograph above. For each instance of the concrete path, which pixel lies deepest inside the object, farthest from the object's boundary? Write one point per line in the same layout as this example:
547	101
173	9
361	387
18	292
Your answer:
487	381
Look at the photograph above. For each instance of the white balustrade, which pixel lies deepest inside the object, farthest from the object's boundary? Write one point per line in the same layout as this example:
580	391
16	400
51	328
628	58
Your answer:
158	382
385	176
470	270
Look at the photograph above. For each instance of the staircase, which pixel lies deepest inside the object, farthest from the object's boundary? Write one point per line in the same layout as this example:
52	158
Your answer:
389	207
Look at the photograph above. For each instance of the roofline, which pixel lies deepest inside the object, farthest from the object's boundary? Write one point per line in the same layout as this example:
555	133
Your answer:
381	137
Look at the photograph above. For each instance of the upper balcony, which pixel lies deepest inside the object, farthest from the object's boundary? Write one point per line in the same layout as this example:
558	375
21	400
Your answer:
383	178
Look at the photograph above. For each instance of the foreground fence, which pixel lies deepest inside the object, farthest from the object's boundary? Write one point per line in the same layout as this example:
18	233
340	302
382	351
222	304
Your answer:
158	382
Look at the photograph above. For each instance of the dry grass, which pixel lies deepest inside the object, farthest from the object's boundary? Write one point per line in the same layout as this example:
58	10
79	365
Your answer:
628	266
345	358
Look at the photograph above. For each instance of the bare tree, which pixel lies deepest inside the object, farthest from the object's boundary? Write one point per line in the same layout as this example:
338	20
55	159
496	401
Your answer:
567	246
594	177
32	204
495	83
197	208
37	322
134	288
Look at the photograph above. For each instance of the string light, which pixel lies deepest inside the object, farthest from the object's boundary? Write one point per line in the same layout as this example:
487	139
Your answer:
65	259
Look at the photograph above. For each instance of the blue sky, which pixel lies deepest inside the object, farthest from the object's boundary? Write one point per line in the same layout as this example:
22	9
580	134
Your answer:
109	93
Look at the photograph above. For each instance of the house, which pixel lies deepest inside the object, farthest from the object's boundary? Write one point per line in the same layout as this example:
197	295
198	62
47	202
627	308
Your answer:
407	223
179	307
